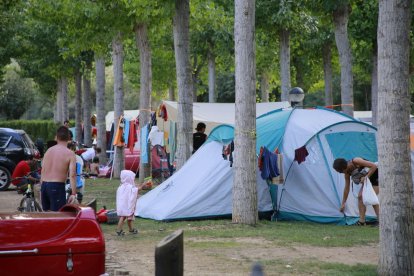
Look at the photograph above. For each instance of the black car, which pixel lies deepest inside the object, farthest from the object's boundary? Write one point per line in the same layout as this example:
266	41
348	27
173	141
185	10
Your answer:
15	146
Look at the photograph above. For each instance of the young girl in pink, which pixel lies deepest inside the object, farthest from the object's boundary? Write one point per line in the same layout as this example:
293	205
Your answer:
126	199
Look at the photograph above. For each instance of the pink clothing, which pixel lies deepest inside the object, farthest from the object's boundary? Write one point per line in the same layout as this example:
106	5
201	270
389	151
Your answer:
126	195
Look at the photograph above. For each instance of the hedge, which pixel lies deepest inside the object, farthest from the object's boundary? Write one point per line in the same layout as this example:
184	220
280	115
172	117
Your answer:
44	129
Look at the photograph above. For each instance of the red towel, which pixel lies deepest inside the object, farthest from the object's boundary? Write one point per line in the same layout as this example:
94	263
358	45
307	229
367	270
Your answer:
300	154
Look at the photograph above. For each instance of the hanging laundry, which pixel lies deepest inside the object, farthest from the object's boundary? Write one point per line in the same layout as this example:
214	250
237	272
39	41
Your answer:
269	164
132	135
126	132
279	179
156	136
119	139
162	112
153	119
300	154
172	138
144	148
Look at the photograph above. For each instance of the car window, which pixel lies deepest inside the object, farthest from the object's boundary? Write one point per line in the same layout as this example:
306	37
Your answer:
27	141
15	144
4	139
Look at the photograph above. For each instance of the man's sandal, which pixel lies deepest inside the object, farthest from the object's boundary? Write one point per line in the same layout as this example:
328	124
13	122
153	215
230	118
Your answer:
120	233
133	231
360	223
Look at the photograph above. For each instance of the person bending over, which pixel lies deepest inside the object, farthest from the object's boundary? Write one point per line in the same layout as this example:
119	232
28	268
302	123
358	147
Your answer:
353	170
57	163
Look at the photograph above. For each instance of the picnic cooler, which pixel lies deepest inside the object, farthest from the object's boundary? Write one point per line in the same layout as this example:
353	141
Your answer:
68	242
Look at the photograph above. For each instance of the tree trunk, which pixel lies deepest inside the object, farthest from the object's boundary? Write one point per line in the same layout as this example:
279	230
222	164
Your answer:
195	73
64	94
244	186
396	196
100	107
58	114
340	19
78	106
327	73
211	75
87	127
285	64
171	92
374	85
118	61
184	81
143	45
264	87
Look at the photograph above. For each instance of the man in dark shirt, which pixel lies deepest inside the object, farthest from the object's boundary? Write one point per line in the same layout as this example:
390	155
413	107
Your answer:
199	137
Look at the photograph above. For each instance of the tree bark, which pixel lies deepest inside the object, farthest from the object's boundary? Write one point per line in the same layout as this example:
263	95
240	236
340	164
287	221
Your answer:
264	87
340	19
87	127
143	45
327	73
284	64
100	107
64	94
171	92
211	75
396	196
78	106
374	85
244	186
58	113
184	81
118	61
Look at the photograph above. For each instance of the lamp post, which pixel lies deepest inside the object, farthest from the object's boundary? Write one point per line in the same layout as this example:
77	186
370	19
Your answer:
296	96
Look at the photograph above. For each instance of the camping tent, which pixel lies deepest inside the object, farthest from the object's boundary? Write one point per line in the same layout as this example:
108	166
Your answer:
202	188
312	190
214	114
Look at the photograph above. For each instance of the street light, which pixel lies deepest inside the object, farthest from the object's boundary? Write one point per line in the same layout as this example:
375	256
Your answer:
296	96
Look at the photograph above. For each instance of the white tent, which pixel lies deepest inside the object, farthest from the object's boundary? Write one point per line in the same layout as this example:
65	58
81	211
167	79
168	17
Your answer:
214	114
312	189
202	188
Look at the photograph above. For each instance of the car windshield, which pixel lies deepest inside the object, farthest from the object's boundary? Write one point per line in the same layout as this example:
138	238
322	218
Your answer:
26	139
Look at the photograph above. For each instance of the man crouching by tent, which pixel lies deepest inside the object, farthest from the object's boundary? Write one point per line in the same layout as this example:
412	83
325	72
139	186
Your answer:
357	170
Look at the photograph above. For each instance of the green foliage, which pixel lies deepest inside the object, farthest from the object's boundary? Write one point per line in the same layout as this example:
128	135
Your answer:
226	88
44	129
16	93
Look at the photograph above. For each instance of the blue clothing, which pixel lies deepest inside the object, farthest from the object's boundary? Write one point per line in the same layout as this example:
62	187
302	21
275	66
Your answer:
269	169
144	148
53	195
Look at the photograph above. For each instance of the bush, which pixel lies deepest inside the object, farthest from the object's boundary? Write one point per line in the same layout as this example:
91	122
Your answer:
44	129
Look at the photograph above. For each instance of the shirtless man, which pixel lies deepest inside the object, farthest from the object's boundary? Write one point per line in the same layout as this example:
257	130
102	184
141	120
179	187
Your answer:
57	162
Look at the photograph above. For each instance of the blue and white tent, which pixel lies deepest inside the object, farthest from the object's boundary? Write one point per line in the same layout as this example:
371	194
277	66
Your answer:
312	190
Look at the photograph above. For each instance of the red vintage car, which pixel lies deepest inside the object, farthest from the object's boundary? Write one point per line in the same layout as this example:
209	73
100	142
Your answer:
68	242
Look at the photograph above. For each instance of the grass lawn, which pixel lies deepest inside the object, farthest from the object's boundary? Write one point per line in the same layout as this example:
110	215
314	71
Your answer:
219	238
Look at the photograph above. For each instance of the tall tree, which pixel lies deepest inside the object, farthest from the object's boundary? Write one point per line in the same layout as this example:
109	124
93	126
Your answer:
340	19
244	186
118	61
143	45
184	81
396	186
100	106
78	104
87	127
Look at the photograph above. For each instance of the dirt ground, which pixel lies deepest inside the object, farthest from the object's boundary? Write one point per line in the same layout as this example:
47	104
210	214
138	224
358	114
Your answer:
124	256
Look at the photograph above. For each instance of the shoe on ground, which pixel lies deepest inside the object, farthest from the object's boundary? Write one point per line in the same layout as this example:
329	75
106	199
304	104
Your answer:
133	231
120	233
360	223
